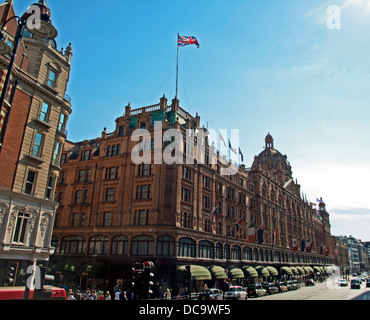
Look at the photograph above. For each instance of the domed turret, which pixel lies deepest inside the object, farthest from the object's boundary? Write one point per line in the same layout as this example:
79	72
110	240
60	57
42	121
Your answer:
272	160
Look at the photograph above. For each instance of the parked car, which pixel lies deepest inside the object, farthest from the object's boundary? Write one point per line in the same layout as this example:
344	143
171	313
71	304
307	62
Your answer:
256	290
297	283
271	288
310	282
368	282
343	283
236	293
282	287
355	284
210	294
291	285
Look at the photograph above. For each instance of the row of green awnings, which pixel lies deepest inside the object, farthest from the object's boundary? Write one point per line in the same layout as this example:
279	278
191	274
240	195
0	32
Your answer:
287	270
236	273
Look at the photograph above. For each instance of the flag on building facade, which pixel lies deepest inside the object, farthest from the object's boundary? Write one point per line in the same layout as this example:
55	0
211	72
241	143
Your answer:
211	218
241	155
231	148
183	41
308	244
252	232
295	243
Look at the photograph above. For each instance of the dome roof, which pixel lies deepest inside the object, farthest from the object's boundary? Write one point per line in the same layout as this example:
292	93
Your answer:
270	158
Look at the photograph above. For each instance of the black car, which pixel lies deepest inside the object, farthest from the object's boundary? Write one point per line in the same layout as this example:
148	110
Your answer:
271	288
210	294
355	284
310	282
368	282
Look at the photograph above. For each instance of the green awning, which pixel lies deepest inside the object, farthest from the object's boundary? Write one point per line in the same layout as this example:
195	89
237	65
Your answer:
317	269
311	270
66	267
250	272
295	270
287	270
235	273
217	272
262	271
307	269
301	270
273	271
93	270
198	272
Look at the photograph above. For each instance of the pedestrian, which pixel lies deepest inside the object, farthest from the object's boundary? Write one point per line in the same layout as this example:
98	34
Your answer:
70	295
167	294
107	296
117	295
124	296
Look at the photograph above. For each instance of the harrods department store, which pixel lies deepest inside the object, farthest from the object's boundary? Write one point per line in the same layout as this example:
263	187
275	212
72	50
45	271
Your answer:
114	213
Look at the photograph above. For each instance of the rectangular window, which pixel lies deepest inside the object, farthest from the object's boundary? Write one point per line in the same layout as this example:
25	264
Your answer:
44	113
109	194
143	192
62	122
85	155
187	173
31	177
111	173
50	188
21	228
142	217
37	145
186	195
86	196
81	176
107	219
121	131
56	153
51	79
75	220
78	197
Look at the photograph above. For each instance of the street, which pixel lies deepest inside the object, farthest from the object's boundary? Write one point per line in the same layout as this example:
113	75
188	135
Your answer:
328	290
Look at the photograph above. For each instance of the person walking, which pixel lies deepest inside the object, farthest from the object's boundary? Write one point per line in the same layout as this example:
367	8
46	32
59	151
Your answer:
107	296
117	295
167	294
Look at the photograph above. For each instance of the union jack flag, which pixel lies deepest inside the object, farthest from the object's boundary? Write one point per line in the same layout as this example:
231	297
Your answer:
183	41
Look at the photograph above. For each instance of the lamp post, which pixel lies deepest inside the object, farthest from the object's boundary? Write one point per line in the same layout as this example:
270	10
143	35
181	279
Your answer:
37	21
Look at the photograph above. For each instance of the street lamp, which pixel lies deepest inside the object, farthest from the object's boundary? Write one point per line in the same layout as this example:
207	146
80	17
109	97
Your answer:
38	22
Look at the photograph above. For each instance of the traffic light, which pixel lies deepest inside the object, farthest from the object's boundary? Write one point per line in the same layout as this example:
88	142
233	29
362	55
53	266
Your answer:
148	281
10	276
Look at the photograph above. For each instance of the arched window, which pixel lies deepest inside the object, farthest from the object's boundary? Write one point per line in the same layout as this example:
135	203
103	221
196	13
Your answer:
205	249
142	246
186	247
235	253
99	245
73	245
227	251
247	253
261	255
219	254
120	245
277	256
255	254
165	246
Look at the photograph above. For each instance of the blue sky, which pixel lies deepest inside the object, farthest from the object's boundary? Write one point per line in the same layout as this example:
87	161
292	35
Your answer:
262	66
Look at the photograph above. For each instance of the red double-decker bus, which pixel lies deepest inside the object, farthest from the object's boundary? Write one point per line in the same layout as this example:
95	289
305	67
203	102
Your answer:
17	293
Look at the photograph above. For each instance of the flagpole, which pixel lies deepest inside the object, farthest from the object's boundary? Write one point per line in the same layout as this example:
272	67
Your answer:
177	67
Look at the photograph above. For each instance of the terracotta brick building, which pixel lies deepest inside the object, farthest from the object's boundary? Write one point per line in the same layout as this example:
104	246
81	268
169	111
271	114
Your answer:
114	212
33	123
